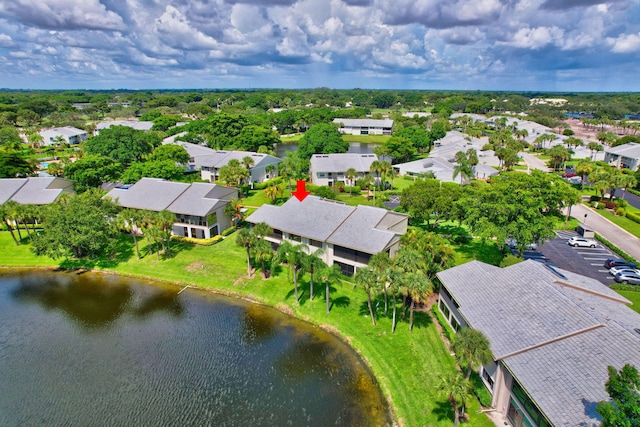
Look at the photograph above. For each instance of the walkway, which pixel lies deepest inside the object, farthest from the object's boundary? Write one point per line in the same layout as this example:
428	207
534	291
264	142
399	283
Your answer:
616	235
533	162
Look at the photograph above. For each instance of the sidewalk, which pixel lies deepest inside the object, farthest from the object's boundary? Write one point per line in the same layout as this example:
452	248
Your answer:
616	235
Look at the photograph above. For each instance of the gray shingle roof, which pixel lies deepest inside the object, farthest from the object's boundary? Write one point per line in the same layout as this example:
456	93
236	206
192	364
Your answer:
34	190
149	193
155	194
341	162
205	156
199	199
9	187
386	123
135	124
630	149
527	304
357	228
65	130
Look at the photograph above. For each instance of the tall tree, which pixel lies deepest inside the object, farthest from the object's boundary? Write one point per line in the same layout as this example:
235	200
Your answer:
351	174
366	279
247	240
472	348
293	256
313	264
123	144
623	387
129	220
381	264
456	389
322	138
329	274
420	288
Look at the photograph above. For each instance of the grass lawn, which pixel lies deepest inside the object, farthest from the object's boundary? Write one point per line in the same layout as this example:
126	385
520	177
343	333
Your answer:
407	366
366	139
632	296
289	139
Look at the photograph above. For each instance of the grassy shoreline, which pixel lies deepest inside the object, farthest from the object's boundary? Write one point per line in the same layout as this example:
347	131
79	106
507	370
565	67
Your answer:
406	366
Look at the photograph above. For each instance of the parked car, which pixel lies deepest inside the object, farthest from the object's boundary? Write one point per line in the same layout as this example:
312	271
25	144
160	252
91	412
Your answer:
630	278
513	244
618	262
582	242
623	269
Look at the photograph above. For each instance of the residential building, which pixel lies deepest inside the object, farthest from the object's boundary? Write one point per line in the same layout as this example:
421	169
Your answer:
365	126
135	124
440	168
624	156
199	207
34	190
552	334
211	164
347	235
67	134
328	169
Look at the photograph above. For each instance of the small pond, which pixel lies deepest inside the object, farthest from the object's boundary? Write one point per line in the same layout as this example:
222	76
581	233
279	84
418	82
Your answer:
354	147
88	350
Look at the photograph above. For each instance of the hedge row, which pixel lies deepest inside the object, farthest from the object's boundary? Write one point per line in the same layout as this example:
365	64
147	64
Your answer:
202	242
634	216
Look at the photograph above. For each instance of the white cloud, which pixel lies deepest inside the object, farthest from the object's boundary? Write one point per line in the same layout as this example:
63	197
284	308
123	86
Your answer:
536	38
626	43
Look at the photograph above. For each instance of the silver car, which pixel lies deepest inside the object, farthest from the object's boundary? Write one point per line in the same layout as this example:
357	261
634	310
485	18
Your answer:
628	278
582	242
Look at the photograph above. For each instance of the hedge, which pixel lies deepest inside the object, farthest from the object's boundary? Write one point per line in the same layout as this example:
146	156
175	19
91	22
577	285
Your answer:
228	231
634	216
202	242
622	287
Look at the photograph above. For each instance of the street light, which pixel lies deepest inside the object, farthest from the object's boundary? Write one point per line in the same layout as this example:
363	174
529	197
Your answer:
585	219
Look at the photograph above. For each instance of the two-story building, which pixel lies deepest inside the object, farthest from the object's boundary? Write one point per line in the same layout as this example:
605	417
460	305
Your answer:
552	333
329	169
199	207
34	190
66	134
347	235
624	156
365	126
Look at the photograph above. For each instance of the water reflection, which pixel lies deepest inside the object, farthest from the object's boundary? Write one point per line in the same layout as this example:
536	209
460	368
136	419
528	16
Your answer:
166	359
354	147
93	303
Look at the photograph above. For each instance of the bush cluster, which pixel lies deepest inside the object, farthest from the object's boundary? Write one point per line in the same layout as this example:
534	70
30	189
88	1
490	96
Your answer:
269	183
202	242
228	231
634	216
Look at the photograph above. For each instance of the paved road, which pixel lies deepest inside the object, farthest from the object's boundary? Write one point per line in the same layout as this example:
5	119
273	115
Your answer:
616	235
631	198
533	162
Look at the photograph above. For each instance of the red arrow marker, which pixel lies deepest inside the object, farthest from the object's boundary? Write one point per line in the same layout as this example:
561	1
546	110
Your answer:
301	190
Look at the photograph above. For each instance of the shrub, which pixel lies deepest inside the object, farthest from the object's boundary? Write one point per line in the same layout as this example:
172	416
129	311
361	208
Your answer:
355	189
609	204
323	191
202	242
634	216
622	254
621	212
510	260
486	147
622	287
267	183
446	329
228	231
621	203
481	392
595	198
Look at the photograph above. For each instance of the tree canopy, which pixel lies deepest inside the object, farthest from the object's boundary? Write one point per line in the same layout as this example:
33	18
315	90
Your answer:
322	138
123	144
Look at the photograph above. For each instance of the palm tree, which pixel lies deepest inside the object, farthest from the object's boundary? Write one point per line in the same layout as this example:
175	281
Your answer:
366	279
11	213
270	169
234	211
464	170
380	263
164	221
246	239
583	168
24	213
594	147
385	167
273	192
312	263
7	218
351	174
471	347
376	168
129	220
292	255
263	253
420	287
328	275
248	163
456	389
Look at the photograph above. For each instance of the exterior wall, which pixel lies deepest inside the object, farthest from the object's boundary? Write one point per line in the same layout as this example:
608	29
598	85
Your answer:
501	389
48	137
259	172
356	130
450	311
620	161
336	176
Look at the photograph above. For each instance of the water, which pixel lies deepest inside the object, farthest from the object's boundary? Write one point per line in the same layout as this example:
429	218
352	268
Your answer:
354	147
83	349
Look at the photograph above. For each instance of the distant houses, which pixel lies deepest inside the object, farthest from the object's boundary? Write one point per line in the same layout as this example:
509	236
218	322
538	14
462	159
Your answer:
134	124
348	236
365	126
624	156
199	207
209	162
66	134
552	334
34	190
329	169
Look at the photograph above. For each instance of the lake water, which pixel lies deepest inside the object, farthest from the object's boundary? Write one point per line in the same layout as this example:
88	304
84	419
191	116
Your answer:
93	350
354	147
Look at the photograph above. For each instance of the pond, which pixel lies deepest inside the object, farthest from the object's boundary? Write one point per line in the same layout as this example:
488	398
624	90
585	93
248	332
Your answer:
84	349
354	147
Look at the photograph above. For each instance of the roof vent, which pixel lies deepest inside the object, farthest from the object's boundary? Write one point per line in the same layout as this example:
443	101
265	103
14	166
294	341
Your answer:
427	164
637	331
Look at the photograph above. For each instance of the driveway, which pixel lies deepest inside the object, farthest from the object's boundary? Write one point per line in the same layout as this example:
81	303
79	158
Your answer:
632	199
533	162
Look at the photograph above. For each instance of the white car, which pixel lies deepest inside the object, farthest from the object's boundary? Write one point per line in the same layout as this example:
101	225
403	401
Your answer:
623	269
582	242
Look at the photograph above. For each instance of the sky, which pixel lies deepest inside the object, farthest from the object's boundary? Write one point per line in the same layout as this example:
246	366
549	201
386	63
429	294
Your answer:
523	45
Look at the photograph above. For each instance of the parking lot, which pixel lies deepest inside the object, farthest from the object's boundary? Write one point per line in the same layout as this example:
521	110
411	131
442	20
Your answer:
586	261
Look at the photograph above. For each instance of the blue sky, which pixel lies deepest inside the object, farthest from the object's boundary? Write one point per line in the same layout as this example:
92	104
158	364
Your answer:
550	45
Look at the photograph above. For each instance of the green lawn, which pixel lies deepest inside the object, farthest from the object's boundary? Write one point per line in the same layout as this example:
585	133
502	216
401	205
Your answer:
406	365
632	296
366	139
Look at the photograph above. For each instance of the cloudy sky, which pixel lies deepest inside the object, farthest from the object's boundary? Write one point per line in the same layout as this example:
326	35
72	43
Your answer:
552	45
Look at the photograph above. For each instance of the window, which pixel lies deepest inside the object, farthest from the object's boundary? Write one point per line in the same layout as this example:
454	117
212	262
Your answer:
454	324
315	243
276	234
523	402
351	254
345	269
487	378
295	237
444	309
